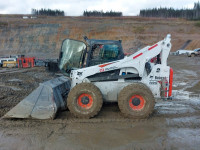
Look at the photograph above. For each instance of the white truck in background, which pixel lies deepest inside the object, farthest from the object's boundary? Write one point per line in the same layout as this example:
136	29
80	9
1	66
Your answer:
182	52
193	53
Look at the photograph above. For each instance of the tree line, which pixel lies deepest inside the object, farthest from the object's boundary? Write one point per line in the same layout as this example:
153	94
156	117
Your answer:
47	12
102	14
193	13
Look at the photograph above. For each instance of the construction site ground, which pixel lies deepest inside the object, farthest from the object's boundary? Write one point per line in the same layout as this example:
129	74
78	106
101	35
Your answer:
175	124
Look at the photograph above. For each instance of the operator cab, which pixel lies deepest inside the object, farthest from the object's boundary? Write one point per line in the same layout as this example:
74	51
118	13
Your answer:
77	54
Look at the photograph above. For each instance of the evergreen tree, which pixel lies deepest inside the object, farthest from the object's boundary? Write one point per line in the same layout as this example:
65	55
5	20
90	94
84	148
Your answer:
102	14
47	12
172	13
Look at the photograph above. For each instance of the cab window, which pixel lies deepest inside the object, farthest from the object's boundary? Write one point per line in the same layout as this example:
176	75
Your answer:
103	53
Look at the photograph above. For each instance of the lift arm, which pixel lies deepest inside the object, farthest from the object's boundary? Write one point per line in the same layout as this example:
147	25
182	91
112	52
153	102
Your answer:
135	63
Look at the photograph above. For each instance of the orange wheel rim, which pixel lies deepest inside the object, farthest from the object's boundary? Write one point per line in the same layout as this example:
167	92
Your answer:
85	101
137	102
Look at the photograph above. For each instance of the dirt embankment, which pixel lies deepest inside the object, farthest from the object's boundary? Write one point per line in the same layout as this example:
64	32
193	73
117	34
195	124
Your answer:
43	36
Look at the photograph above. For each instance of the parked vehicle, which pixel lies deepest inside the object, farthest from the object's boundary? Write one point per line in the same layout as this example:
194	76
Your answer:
182	52
9	64
2	60
193	53
10	59
26	62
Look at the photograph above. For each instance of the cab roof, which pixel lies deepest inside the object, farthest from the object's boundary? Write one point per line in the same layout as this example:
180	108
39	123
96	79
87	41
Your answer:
97	41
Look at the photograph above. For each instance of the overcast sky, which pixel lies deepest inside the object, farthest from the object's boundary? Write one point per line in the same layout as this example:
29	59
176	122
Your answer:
76	7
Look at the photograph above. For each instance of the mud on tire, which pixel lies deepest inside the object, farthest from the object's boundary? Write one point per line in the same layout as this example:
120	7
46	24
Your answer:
136	101
84	100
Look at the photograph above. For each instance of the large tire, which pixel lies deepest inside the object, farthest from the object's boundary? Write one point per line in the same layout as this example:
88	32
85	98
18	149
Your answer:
136	101
84	100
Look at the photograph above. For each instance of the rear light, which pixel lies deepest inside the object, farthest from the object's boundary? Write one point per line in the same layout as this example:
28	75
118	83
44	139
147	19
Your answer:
170	82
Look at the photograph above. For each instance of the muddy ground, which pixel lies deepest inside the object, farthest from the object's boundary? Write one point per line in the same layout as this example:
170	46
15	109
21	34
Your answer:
175	124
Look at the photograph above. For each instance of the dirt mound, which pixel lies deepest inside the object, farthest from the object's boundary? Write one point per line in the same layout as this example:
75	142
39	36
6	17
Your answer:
43	36
193	45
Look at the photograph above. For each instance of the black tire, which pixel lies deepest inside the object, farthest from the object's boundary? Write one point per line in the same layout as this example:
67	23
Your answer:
136	101
84	100
192	55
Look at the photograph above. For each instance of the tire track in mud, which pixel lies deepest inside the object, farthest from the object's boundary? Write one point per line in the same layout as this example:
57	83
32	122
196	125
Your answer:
8	71
94	121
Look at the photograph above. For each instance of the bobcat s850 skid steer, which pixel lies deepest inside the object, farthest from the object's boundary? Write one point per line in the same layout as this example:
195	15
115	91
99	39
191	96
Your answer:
97	71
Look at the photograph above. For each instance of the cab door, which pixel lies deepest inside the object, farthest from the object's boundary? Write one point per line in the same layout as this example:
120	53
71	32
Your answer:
72	55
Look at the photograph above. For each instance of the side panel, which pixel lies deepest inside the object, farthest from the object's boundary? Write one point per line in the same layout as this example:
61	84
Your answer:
158	76
111	89
157	79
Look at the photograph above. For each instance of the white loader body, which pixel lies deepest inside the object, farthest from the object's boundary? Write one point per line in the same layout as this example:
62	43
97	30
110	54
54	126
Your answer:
133	82
133	64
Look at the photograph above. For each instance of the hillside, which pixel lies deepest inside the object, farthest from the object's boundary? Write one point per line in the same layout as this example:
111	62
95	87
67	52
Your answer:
42	37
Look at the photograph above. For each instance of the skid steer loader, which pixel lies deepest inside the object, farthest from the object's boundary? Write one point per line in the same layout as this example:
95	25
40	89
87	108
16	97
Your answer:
97	71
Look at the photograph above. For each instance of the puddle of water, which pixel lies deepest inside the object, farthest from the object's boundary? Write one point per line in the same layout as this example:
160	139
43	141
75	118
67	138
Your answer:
180	104
11	87
15	88
189	72
15	80
184	120
184	138
184	95
179	84
176	110
180	94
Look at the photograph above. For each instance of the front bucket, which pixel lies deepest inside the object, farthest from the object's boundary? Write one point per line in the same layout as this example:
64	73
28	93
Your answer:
43	102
